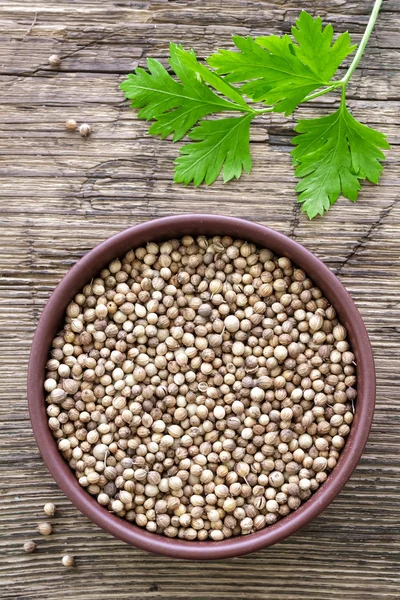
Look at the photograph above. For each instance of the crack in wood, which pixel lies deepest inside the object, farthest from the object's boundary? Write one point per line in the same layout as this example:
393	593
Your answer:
366	237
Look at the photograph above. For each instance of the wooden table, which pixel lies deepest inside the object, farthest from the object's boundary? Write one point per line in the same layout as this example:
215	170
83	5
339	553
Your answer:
62	194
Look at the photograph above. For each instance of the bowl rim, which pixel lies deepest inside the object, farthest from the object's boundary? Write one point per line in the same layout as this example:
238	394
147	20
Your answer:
178	226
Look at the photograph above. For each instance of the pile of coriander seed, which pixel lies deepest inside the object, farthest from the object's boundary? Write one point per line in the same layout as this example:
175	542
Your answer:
201	388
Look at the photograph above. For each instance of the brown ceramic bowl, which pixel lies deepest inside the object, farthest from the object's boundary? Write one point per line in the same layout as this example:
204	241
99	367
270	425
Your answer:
178	226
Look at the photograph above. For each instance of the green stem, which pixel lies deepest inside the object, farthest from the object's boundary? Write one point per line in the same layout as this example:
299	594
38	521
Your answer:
343	97
261	111
364	41
322	92
328	89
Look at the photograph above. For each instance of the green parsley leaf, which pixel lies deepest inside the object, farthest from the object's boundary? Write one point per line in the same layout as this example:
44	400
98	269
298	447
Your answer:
175	106
219	84
219	144
274	73
315	47
332	155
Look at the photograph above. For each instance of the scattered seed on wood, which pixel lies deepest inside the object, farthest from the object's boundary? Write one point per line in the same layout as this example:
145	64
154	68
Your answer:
30	546
45	528
71	125
68	561
49	509
54	60
85	130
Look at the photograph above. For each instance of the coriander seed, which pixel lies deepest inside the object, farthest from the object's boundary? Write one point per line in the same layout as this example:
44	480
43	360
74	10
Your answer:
45	528
49	509
54	60
68	561
71	124
30	546
85	130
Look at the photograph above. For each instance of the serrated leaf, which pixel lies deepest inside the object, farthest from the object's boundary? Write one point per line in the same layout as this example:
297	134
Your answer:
332	155
315	47
174	106
273	72
219	84
222	144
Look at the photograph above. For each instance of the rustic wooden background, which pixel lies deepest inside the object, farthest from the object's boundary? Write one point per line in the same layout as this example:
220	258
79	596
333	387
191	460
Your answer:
61	195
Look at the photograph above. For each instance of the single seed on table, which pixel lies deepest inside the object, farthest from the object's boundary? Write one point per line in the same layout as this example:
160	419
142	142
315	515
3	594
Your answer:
30	546
49	509
85	130
54	60
45	528
71	125
68	561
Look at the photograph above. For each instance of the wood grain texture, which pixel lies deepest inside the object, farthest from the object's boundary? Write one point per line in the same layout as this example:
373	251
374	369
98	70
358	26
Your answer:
60	195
